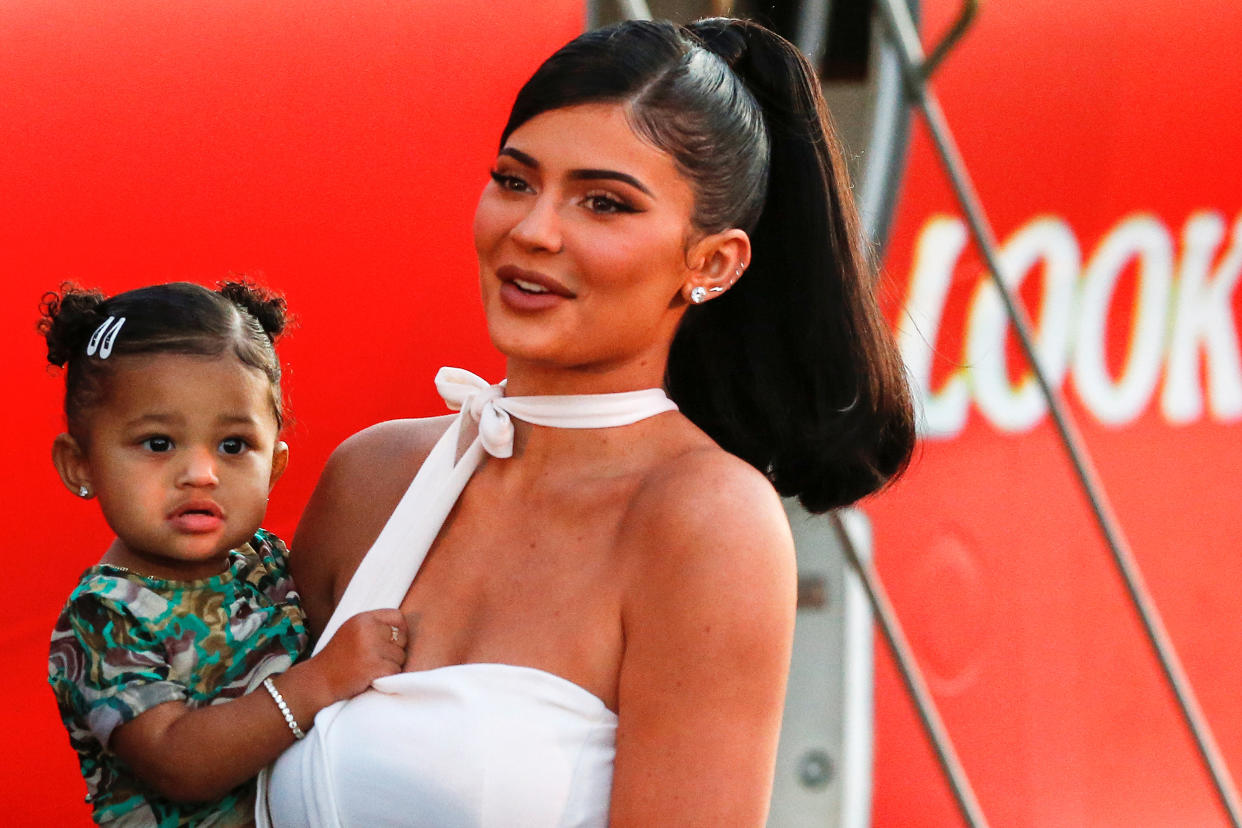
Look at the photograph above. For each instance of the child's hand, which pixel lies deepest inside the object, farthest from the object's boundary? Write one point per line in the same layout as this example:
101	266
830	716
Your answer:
198	754
367	646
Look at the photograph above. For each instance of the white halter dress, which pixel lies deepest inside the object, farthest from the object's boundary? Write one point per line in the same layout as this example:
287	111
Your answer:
468	745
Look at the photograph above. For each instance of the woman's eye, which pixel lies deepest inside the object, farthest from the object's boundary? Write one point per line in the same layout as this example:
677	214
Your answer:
607	204
157	444
232	445
509	182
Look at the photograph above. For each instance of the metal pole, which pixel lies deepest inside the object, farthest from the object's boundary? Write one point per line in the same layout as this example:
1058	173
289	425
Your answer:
905	37
915	685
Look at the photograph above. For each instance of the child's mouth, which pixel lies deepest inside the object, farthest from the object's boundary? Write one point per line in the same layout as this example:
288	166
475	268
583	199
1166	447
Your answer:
196	518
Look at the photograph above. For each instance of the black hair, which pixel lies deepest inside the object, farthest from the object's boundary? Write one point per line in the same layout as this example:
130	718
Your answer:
174	318
794	368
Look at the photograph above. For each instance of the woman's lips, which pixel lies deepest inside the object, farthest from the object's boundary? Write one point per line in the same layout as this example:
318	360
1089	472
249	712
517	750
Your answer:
529	290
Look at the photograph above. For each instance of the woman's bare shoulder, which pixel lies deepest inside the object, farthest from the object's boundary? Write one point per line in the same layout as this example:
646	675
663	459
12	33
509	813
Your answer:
374	462
360	485
398	441
706	498
707	521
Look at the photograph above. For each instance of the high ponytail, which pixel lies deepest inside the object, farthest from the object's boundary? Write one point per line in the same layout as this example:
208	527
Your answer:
793	369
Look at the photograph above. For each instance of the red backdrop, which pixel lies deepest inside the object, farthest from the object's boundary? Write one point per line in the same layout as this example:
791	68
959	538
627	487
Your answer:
336	148
1115	127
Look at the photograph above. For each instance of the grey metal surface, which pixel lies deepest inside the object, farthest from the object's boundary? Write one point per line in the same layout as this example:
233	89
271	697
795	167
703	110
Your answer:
823	767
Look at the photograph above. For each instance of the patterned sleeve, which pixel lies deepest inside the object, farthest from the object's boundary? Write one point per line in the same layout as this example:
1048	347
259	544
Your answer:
273	552
105	666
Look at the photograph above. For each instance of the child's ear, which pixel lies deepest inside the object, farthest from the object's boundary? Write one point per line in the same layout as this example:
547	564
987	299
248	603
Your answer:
280	459
72	466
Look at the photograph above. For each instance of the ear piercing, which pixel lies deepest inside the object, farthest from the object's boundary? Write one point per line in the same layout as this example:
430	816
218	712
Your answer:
699	293
84	490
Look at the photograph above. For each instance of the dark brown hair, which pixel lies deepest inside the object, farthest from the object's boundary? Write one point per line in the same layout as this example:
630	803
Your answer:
794	368
174	318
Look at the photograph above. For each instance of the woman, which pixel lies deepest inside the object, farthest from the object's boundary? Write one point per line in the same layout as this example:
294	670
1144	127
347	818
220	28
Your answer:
600	628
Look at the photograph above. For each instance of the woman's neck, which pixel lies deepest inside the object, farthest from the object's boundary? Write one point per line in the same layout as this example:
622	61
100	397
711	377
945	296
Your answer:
536	447
543	455
530	379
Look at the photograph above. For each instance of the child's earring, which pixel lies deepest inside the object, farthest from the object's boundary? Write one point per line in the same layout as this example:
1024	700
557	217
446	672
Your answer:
84	490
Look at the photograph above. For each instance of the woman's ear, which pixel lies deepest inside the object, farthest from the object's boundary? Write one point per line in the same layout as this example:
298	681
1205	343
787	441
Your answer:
715	262
72	466
280	459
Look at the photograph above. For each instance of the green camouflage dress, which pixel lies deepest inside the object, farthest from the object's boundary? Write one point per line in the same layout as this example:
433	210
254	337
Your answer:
125	643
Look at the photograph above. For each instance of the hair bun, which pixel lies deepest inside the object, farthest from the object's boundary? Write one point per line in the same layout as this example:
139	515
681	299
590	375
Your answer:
68	319
266	307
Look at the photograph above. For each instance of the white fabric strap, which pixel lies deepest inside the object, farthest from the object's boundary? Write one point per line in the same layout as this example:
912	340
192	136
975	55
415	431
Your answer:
491	409
389	567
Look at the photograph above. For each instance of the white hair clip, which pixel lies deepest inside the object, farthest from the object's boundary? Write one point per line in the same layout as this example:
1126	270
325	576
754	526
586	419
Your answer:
104	337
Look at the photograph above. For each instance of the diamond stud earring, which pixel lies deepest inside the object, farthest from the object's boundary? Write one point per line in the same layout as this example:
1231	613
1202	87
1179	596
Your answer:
698	294
84	491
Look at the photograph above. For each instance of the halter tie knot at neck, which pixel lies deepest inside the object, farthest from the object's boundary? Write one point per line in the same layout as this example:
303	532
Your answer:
473	396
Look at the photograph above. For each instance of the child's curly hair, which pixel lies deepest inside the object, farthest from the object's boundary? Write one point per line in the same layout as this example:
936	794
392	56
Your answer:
174	318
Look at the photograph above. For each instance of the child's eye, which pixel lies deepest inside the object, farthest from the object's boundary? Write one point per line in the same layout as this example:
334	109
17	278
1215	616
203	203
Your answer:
509	182
232	445
158	444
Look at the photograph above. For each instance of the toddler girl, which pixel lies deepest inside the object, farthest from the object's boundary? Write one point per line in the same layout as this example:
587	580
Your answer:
163	658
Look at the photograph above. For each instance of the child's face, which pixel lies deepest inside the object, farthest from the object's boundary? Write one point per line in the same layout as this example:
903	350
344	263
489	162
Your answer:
182	454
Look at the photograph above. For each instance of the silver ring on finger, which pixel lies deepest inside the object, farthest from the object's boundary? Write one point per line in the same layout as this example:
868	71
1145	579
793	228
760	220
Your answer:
395	631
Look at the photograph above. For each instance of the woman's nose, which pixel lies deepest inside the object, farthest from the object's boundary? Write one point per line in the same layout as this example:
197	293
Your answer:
199	469
540	228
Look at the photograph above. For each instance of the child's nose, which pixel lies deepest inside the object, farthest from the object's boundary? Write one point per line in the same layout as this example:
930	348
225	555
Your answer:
199	469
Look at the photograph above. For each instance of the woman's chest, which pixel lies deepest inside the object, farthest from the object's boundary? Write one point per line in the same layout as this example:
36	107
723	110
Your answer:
533	588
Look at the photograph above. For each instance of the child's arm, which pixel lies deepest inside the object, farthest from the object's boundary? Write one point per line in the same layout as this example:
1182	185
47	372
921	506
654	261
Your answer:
200	754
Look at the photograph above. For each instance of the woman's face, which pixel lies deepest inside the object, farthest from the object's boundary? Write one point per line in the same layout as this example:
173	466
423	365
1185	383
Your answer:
582	237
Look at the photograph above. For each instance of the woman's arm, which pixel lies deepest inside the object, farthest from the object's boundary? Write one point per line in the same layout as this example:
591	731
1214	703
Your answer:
360	486
708	618
199	754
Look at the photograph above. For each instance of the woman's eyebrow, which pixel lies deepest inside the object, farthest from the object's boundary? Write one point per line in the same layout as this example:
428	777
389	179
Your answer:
580	175
611	175
520	157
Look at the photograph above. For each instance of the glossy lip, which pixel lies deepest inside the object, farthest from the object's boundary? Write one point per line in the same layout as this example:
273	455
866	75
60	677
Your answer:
197	516
510	273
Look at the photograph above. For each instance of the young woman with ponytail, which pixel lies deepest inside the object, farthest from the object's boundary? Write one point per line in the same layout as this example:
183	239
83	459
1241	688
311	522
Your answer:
598	577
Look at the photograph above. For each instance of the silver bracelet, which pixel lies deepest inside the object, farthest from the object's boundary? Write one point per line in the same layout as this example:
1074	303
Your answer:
284	708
